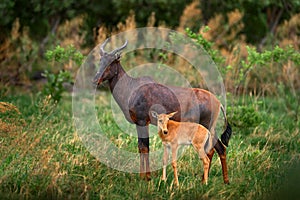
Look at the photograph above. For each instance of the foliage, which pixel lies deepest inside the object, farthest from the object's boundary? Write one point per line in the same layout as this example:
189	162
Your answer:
63	55
41	16
166	10
206	45
258	65
247	115
54	86
44	17
266	59
277	55
55	82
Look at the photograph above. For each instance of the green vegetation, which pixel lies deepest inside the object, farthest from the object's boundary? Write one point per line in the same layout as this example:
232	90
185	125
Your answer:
62	55
41	154
54	86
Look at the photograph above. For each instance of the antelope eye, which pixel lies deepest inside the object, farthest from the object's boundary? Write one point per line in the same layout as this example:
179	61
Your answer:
160	121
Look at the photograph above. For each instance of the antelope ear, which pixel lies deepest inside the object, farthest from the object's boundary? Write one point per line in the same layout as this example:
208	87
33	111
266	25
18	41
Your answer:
171	114
154	114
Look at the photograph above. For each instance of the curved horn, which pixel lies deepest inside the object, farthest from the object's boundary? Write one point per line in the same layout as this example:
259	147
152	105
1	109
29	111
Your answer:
120	48
102	52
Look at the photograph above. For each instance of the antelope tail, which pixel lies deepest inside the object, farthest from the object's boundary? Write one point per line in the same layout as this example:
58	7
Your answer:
228	131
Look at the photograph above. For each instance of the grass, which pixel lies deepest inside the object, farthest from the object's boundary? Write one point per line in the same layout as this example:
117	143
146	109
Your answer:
43	157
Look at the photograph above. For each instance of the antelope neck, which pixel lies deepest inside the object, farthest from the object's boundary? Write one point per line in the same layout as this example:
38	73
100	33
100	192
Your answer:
118	75
121	86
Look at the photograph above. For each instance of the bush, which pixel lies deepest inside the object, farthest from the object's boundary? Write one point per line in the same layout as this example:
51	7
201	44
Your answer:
54	85
245	116
55	82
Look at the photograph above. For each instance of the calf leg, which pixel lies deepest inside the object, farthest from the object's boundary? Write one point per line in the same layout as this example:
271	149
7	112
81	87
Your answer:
206	162
221	150
210	156
205	159
174	164
165	162
143	145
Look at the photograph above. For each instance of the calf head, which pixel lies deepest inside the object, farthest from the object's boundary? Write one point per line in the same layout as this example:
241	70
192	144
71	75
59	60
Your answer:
162	120
107	60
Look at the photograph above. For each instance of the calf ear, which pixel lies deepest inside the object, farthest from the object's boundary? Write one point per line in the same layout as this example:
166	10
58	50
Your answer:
154	114
171	114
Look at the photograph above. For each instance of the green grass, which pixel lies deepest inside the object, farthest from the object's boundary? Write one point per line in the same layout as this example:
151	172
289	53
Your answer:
45	158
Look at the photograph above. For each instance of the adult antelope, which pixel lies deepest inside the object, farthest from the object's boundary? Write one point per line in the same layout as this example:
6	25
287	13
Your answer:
138	96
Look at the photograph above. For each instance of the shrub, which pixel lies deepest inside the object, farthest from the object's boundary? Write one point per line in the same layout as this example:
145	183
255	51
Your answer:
245	116
55	82
54	85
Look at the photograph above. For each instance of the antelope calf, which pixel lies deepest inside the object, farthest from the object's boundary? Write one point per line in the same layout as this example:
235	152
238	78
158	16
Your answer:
173	134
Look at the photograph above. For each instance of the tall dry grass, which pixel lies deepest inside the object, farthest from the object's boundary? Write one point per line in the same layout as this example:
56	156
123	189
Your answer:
19	54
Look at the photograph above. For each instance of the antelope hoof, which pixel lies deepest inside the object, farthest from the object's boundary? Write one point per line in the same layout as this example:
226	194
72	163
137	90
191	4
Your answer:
145	176
142	175
148	176
204	182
